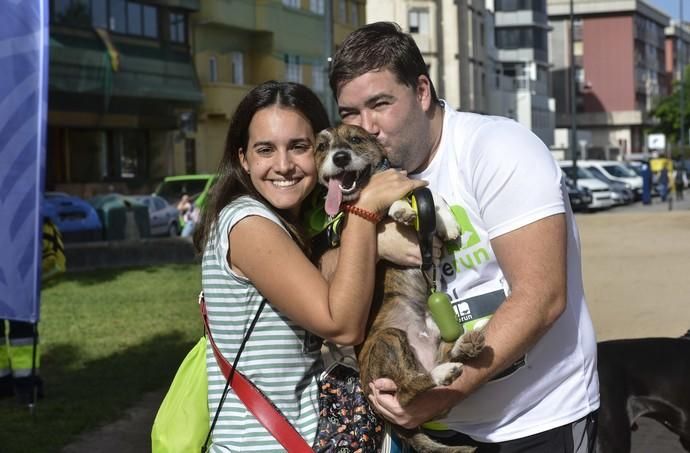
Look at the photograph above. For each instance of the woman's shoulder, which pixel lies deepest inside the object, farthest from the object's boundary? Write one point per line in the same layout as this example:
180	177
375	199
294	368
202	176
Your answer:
243	207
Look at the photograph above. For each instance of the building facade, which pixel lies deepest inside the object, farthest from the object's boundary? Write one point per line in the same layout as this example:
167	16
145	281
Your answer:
121	77
619	61
238	44
521	39
677	46
452	37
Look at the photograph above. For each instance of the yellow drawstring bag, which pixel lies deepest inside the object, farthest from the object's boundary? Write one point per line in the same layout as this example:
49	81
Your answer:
182	421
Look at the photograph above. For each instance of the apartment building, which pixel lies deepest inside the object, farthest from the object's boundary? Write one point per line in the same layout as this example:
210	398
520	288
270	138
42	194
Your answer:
620	65
238	44
121	75
677	46
452	37
521	40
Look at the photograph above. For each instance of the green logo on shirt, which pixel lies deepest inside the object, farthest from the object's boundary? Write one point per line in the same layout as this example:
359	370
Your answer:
462	257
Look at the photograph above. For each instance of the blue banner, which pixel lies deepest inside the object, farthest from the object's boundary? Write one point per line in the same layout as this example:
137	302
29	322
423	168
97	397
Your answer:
23	107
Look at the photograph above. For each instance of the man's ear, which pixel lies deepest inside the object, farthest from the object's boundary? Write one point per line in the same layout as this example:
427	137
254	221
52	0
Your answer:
424	92
243	160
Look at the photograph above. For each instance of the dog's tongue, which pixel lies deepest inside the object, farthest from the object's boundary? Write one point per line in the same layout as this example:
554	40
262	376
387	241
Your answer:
334	197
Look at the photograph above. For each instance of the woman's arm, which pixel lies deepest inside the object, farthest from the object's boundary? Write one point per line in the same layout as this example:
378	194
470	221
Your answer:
337	311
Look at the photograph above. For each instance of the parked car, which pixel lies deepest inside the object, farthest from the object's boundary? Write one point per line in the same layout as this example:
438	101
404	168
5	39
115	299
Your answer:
196	186
580	197
622	191
602	198
611	170
76	219
164	218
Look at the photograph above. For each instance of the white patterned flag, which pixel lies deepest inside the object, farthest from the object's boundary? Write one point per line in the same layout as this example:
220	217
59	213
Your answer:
23	106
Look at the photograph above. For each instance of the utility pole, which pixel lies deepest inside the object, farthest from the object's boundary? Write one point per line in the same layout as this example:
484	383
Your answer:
328	55
680	58
573	101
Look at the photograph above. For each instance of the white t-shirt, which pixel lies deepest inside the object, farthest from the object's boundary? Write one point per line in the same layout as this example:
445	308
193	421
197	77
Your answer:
497	176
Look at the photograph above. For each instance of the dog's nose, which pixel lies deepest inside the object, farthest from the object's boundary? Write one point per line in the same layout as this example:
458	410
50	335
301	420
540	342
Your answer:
341	159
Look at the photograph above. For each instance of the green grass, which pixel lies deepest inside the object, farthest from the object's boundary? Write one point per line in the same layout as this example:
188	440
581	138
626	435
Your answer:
107	337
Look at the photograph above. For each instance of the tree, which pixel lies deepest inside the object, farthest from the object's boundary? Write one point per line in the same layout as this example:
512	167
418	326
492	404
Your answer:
667	111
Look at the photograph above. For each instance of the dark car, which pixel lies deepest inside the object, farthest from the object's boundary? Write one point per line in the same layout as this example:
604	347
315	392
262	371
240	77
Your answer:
164	218
76	219
580	197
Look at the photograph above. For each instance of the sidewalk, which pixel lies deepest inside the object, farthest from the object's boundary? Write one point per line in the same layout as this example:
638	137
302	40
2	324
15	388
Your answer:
131	434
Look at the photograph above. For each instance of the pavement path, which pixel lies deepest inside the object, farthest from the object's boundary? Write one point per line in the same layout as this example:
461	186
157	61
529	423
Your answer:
635	267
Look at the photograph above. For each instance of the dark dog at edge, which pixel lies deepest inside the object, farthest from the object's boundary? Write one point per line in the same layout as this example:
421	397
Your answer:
645	377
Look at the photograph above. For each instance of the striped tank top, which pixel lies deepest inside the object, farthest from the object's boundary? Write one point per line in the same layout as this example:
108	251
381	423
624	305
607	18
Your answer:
275	357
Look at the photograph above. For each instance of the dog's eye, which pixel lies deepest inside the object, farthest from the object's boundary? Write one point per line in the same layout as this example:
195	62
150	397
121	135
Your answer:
321	146
355	140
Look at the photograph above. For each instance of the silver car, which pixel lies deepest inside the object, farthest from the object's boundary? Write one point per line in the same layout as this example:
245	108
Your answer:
163	217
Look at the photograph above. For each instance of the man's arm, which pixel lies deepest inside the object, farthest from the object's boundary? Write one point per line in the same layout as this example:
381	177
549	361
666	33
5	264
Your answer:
533	260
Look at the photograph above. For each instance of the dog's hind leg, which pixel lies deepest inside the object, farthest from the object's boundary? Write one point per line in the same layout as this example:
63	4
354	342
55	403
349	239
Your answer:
388	354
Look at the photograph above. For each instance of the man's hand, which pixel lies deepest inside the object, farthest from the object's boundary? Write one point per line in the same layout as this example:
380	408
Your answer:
425	407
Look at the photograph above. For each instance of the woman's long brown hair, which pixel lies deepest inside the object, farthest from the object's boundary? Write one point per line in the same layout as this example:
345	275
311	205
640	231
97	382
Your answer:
233	181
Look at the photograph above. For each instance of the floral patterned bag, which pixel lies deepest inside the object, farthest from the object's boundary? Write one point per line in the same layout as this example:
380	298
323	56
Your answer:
347	423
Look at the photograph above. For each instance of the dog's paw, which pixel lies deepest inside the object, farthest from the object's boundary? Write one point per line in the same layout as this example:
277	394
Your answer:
402	212
469	345
446	373
447	227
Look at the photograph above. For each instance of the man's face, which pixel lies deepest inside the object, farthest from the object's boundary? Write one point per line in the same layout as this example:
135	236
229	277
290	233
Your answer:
392	112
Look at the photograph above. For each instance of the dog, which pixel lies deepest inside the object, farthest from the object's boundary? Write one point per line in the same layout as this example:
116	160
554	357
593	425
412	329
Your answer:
645	377
402	342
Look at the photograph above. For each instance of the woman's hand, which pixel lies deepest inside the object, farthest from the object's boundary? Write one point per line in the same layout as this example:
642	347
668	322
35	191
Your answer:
386	187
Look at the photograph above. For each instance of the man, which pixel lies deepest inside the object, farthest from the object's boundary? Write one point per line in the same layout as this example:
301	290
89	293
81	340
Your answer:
535	387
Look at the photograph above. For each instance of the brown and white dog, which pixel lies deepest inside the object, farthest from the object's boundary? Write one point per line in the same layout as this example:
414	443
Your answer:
403	343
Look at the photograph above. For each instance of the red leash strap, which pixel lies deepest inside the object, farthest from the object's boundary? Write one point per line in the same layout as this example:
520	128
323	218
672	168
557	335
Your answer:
256	402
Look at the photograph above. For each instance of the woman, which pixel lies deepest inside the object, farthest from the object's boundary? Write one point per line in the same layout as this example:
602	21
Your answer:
253	248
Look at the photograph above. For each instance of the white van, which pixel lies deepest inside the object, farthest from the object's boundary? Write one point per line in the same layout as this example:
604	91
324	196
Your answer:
615	171
602	198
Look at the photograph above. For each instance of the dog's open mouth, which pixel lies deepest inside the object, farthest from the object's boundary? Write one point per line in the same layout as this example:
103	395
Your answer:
343	186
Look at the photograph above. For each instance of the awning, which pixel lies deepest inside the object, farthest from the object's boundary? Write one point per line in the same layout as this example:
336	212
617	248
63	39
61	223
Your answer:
79	65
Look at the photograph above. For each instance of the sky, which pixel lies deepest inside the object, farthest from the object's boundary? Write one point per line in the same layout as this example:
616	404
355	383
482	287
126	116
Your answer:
671	8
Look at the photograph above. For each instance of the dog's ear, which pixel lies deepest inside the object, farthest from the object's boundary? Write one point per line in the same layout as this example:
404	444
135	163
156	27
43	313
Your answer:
323	138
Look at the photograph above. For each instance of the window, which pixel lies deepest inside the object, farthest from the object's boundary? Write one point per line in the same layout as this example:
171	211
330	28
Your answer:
293	71
419	21
178	28
212	69
99	14
134	25
150	19
521	37
342	11
119	16
318	76
317	6
354	14
291	3
237	68
108	155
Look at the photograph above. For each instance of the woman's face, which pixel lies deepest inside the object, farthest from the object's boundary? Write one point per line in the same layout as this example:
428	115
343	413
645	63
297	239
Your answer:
280	157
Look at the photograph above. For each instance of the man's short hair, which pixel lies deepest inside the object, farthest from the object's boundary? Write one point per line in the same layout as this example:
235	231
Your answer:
375	47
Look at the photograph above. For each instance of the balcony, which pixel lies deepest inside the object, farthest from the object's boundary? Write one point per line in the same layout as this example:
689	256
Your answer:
221	99
231	13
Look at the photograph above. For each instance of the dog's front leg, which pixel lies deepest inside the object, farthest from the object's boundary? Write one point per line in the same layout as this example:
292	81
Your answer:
401	211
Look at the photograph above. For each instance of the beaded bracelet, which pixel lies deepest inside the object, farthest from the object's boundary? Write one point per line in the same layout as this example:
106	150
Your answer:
363	213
